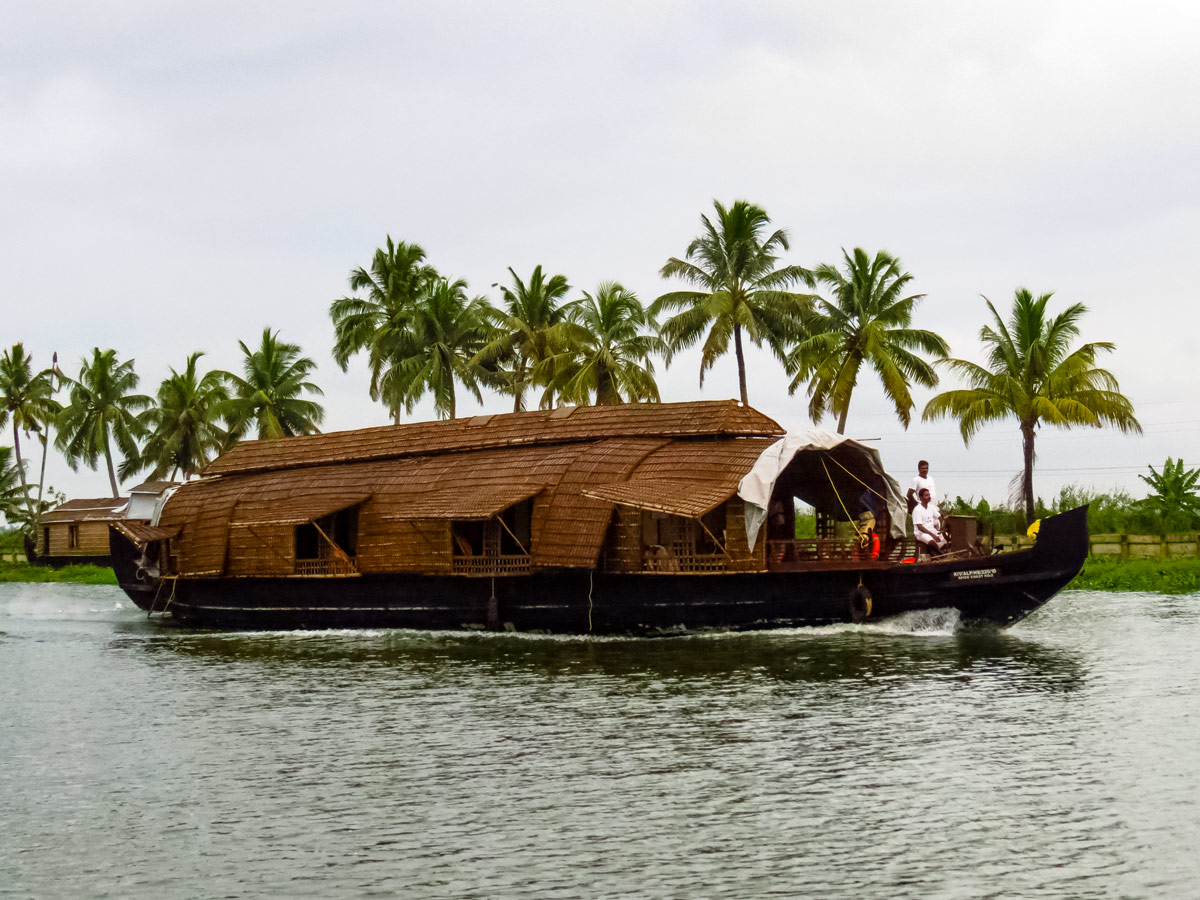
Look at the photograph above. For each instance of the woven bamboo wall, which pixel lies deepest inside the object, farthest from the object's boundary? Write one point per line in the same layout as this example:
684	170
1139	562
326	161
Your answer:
571	527
256	549
623	547
415	545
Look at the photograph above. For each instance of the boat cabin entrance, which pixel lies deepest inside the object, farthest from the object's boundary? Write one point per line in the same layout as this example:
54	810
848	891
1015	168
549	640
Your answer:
857	511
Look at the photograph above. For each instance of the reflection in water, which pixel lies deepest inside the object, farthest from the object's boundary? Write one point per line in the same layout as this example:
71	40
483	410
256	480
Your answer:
908	758
835	653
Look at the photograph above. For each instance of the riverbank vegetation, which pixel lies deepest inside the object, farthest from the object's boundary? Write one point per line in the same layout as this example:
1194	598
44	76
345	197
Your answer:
1160	576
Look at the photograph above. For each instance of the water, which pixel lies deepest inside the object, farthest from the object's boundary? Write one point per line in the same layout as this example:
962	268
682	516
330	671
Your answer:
909	759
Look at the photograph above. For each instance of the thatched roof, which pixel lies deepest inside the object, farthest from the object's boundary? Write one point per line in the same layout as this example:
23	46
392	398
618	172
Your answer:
465	469
569	424
87	510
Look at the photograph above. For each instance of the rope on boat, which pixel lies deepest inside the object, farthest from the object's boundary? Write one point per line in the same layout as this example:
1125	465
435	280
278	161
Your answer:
589	601
856	478
861	535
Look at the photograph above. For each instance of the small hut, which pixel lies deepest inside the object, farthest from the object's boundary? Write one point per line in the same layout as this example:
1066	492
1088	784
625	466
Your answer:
76	532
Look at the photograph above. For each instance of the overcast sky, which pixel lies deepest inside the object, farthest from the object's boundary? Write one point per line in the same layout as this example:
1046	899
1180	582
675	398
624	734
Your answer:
174	177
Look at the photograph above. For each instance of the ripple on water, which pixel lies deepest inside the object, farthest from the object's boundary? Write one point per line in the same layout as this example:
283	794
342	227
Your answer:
906	758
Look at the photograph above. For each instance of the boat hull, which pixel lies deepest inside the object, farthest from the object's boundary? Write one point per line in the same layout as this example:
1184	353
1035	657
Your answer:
999	589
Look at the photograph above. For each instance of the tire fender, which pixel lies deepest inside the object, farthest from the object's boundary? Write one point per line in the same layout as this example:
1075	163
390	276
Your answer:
859	604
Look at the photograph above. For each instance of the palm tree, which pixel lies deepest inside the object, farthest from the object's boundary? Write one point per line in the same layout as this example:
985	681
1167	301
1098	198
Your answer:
28	400
10	485
866	321
524	333
269	396
182	428
102	408
605	353
378	323
1034	376
1174	499
739	290
55	376
448	330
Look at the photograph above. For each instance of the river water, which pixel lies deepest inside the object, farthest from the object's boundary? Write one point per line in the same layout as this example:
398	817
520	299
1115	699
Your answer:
914	759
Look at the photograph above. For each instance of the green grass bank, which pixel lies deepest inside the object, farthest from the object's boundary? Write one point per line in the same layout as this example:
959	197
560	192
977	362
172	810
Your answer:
1163	576
20	571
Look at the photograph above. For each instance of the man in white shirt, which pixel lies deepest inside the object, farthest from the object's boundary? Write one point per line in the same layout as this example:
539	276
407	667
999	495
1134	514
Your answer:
920	483
927	524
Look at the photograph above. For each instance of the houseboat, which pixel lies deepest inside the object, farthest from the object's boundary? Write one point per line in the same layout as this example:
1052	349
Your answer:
640	518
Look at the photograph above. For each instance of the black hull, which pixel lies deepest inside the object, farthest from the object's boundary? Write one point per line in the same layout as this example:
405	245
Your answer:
1000	589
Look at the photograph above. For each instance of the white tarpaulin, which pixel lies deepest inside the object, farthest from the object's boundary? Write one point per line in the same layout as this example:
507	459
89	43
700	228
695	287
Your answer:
758	485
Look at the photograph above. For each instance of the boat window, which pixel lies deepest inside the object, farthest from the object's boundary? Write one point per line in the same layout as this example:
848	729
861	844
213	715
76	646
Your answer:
678	544
340	527
495	546
519	519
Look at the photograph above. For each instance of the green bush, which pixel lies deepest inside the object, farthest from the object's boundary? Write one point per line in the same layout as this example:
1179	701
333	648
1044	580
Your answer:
1163	576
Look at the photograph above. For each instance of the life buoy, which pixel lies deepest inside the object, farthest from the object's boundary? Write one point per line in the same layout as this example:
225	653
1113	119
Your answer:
860	604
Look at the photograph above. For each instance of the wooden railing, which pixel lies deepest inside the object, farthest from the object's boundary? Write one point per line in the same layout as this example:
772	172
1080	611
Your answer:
499	564
325	567
813	550
682	558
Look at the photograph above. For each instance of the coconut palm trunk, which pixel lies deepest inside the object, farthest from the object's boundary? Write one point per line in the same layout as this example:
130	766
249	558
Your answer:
741	363
112	473
42	471
1027	435
21	468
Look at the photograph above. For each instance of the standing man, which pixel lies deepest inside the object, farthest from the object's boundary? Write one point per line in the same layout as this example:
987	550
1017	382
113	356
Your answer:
922	483
927	524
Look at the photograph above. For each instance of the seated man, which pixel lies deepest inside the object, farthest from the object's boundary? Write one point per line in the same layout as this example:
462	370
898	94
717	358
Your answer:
927	524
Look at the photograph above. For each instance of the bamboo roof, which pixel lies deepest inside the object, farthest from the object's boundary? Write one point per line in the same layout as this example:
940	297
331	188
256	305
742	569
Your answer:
141	533
304	506
412	479
465	504
679	498
100	509
710	418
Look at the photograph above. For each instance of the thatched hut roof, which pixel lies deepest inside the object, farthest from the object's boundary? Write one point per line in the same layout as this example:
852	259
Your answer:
101	509
569	460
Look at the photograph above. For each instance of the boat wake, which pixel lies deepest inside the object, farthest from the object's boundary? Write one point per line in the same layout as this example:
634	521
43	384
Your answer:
940	622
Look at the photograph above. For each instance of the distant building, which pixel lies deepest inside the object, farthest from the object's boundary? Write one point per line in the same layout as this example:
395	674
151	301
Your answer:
76	532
